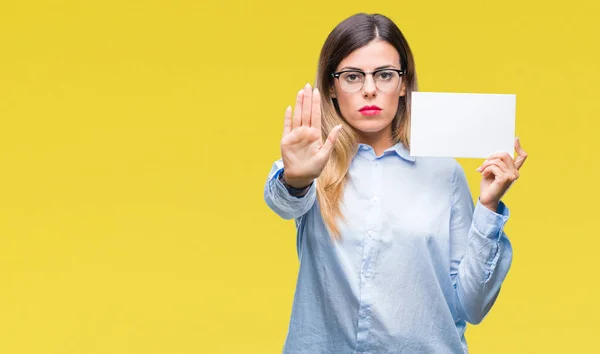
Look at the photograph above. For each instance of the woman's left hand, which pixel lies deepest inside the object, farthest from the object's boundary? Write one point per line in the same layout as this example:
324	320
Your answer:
499	172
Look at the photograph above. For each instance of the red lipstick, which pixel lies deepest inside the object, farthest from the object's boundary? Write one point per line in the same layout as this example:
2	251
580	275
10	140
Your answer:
370	110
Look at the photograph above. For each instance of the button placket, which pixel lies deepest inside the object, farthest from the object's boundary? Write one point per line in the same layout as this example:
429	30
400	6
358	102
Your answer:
370	244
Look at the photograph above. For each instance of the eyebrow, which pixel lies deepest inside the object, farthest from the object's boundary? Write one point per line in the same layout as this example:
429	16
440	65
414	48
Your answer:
354	68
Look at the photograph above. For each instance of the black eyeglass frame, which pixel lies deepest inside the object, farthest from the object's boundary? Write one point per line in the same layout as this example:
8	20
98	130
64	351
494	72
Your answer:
337	74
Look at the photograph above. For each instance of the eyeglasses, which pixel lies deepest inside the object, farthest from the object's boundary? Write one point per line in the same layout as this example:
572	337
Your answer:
352	81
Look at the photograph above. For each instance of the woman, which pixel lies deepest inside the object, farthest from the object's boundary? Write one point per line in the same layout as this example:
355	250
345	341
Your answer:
394	257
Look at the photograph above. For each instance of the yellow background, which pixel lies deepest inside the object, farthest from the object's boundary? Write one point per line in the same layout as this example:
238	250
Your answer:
136	137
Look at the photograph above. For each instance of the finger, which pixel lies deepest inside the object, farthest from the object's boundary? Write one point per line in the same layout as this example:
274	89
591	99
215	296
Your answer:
315	116
330	142
505	157
287	121
499	174
297	120
306	105
498	162
491	170
521	154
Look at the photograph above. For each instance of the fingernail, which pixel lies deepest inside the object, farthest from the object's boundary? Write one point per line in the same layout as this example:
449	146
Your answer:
307	85
517	138
478	169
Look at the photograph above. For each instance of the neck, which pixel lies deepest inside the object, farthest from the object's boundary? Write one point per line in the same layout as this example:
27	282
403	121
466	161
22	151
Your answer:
379	141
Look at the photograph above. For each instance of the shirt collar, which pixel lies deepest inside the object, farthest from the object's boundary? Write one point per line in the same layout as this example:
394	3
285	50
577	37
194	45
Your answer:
398	148
403	152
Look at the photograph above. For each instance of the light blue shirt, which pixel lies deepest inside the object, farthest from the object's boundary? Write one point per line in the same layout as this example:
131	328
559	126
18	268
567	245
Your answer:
416	260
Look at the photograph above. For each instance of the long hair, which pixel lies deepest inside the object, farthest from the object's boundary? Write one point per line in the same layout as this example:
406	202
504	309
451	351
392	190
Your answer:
349	35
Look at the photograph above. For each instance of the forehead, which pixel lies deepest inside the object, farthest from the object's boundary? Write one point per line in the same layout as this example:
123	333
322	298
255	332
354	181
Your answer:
375	54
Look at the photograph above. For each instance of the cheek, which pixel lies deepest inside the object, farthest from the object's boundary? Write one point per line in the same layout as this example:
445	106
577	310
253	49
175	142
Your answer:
392	102
346	103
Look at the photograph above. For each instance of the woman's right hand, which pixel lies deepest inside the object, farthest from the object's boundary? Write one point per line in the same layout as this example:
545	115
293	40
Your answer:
303	152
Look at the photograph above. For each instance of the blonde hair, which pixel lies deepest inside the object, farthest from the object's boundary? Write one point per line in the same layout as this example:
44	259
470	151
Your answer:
349	35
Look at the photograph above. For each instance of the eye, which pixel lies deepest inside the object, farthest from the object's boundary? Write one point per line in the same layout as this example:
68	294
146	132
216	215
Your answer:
352	77
386	75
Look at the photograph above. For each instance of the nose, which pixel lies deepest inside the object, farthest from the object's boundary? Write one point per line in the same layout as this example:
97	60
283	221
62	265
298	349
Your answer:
369	88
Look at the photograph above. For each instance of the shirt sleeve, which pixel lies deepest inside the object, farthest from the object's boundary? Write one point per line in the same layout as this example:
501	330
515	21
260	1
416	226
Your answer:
480	251
279	199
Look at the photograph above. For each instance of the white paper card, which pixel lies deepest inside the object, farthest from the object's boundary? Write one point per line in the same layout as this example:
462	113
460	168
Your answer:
462	124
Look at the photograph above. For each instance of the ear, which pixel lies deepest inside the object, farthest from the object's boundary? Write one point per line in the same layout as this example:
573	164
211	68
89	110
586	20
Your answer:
403	90
332	92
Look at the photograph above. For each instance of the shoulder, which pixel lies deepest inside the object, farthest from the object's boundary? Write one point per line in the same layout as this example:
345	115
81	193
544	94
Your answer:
436	174
444	167
444	175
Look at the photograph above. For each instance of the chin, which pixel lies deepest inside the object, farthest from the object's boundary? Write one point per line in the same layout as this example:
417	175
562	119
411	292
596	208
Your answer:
370	125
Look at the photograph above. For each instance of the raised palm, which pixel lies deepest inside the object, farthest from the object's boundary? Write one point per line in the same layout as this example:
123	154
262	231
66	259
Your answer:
303	151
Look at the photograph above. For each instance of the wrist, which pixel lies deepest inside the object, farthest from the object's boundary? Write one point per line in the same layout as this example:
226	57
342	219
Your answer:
295	183
296	192
491	205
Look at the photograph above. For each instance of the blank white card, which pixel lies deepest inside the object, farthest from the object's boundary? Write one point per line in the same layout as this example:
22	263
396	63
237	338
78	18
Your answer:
462	124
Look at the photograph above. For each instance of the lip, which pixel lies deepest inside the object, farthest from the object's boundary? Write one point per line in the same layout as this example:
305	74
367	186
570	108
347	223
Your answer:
370	108
370	112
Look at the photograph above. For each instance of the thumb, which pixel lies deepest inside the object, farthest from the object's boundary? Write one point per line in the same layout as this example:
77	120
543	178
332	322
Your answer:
330	142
